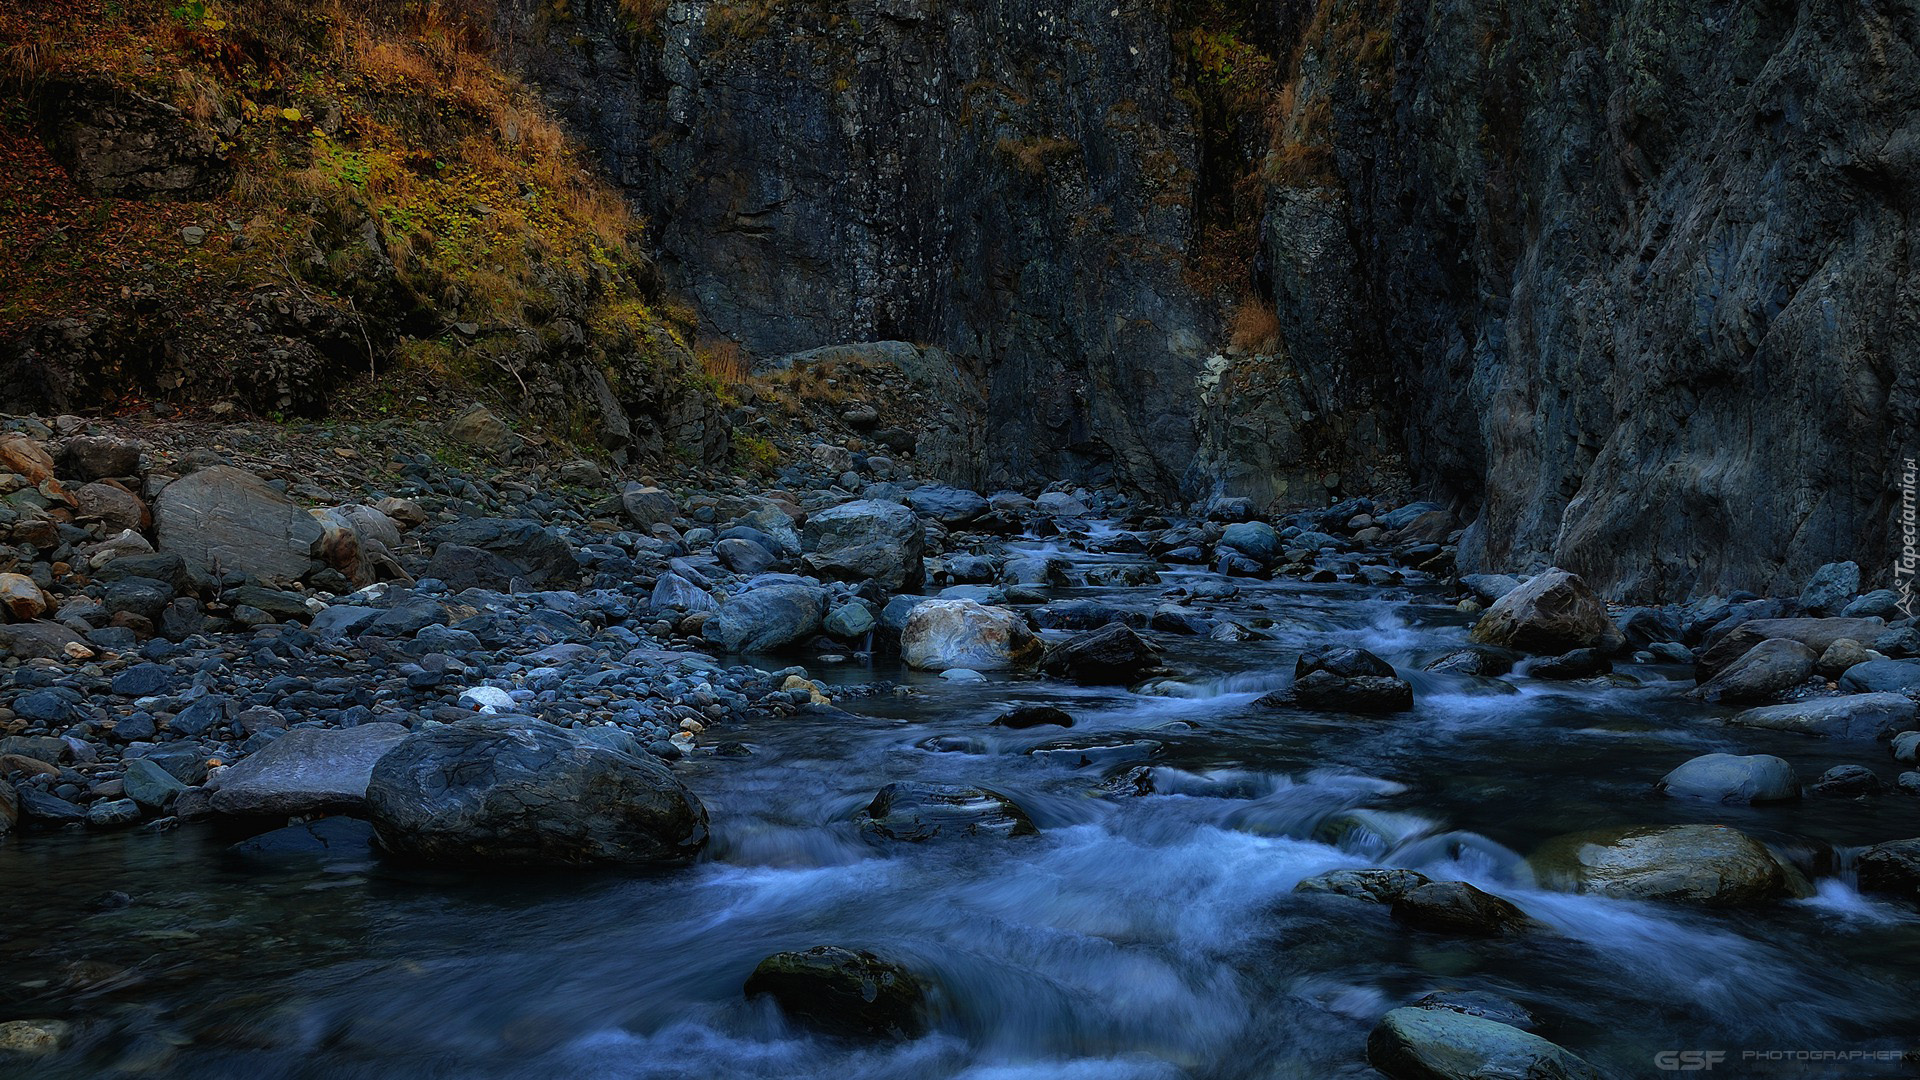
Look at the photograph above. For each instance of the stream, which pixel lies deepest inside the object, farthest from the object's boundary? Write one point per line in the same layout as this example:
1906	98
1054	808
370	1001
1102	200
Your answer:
1138	936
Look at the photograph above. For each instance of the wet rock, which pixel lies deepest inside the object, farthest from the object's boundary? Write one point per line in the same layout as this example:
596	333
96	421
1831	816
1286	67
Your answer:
34	1037
1723	647
917	812
1060	504
1577	664
1552	613
151	786
1881	677
1441	1044
867	540
767	617
1374	884
542	555
1768	668
850	621
1906	747
1892	868
844	992
44	808
341	838
942	634
1027	716
1488	661
1830	588
1731	778
1880	603
1112	655
1481	1004
1857	717
518	792
1347	680
1846	781
1342	661
1255	539
1076	615
1455	907
307	771
227	518
113	814
1710	865
743	556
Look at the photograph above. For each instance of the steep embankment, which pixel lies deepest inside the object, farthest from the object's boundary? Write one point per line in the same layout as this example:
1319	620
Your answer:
283	204
1631	284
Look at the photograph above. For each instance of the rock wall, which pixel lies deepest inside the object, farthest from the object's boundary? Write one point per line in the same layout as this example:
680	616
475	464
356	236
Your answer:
1630	282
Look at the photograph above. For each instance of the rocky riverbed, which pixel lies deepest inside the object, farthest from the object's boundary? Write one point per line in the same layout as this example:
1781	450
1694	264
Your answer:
340	757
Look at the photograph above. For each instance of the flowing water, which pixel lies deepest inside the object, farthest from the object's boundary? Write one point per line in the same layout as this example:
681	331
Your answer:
1136	937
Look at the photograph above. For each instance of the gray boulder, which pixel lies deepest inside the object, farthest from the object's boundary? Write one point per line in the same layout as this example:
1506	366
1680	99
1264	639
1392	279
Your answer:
947	505
1765	670
1552	613
767	617
1711	865
1442	1044
866	540
227	518
1830	588
671	592
1881	677
1111	655
942	634
1892	867
1455	907
541	556
648	506
520	792
916	812
1255	539
1724	646
306	771
1858	716
1732	778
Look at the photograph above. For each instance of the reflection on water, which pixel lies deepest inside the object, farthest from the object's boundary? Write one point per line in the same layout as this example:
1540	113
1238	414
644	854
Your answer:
1147	936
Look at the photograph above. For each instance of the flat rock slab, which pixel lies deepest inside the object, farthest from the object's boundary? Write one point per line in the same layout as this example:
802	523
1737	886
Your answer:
231	519
1859	716
307	771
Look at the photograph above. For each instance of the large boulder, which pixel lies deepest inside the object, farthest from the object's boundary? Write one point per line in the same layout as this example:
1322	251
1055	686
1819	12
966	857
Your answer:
121	144
647	506
943	634
948	505
1455	907
1255	539
1733	778
1555	612
41	639
843	992
767	617
1712	865
1345	679
227	519
1111	655
1881	677
1442	1044
306	771
866	540
1723	647
916	812
1830	588
1892	867
541	556
1773	665
520	792
1856	716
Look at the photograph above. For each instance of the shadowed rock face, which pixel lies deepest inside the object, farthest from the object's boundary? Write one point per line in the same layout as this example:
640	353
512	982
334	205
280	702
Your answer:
1632	289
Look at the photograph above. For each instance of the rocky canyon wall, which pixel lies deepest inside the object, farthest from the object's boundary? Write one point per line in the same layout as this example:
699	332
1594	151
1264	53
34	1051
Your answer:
1630	282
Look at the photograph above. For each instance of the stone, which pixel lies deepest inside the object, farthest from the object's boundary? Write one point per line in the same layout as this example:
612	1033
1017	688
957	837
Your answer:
1768	668
647	506
23	598
918	812
476	426
1112	655
1846	781
225	519
1554	612
946	504
1577	664
941	634
1342	661
671	592
113	814
1892	868
22	455
1489	588
1374	884
43	808
1857	716
1723	647
98	457
850	621
1322	689
767	617
743	557
1830	588
518	792
113	506
306	771
1881	677
542	555
1880	603
1022	717
1255	539
343	839
1710	865
1455	907
1443	1044
1487	661
151	786
843	992
1060	504
1731	778
38	640
1906	747
34	1038
866	540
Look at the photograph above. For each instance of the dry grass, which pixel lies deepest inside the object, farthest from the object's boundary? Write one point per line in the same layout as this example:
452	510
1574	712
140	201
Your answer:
1256	329
1035	154
725	360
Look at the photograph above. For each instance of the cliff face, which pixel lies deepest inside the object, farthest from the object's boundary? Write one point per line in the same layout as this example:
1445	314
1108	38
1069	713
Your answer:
1630	281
